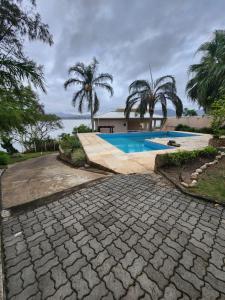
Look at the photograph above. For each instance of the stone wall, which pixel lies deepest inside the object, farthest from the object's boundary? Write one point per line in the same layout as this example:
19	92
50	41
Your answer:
196	121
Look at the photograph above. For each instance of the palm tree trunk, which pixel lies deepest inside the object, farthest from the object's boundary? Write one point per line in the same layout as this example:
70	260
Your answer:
92	115
151	112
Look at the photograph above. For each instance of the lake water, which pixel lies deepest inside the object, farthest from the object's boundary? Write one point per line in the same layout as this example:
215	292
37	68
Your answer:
68	126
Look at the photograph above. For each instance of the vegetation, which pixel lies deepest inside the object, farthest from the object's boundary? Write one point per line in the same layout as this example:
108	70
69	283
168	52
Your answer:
69	142
189	112
18	23
25	156
181	157
211	184
86	77
208	77
73	150
4	158
19	105
78	157
149	93
218	114
81	129
182	127
35	136
18	109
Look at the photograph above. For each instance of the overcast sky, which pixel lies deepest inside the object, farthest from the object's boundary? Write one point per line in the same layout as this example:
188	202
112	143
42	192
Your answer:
125	36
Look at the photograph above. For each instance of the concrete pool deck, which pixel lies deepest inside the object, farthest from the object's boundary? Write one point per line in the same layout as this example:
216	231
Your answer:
104	154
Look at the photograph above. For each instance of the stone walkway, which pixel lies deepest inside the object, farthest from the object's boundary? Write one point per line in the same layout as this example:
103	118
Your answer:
128	237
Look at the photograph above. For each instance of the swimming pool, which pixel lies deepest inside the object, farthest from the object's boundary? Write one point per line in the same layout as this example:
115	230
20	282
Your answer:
136	141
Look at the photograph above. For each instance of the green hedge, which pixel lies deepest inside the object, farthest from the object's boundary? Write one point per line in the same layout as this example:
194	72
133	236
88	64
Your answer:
182	127
4	158
181	157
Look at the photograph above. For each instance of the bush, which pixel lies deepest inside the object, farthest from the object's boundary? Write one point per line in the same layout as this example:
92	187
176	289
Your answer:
69	142
182	127
4	158
81	129
182	157
46	145
78	157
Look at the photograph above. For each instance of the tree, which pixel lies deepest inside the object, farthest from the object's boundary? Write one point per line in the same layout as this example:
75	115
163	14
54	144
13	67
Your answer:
38	131
146	94
86	77
218	114
189	112
18	109
19	21
208	77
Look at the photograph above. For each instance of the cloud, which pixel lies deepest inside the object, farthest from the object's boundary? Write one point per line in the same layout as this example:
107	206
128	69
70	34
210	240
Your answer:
125	36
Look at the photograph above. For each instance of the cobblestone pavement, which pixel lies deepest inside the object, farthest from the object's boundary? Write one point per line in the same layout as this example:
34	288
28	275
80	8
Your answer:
128	237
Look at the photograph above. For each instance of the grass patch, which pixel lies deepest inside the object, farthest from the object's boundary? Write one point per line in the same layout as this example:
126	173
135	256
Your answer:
24	156
212	184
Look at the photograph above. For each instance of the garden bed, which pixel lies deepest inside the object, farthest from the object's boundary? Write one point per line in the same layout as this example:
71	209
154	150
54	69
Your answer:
210	184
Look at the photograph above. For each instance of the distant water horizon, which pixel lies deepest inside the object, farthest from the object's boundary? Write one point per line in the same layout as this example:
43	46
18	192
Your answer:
68	125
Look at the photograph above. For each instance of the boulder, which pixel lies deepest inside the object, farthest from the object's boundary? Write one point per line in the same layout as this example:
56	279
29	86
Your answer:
194	175
198	171
193	183
184	184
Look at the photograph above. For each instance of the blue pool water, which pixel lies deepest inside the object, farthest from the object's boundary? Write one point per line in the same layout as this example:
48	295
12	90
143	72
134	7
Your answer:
135	141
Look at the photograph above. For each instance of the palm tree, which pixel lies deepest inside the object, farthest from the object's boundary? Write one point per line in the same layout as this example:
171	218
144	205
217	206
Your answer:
87	78
208	77
146	94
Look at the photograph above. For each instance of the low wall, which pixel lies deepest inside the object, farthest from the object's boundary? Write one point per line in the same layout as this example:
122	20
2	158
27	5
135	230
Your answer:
195	121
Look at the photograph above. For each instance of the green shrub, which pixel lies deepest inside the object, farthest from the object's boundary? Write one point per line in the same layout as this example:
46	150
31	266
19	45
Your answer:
78	157
182	127
81	129
4	158
181	157
69	142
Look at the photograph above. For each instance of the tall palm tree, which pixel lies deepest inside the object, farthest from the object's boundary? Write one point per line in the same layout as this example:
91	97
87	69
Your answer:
86	77
208	77
146	94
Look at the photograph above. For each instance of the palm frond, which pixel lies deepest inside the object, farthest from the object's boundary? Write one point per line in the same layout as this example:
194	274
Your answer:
73	81
138	85
162	80
105	86
103	77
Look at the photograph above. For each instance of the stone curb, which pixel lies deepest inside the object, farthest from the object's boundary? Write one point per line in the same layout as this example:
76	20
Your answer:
185	191
2	278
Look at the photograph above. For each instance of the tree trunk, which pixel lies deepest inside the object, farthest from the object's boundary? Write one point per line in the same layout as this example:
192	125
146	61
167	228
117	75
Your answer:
151	112
92	115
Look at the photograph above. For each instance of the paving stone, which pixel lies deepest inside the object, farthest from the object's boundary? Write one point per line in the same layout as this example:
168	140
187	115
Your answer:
171	293
149	286
130	237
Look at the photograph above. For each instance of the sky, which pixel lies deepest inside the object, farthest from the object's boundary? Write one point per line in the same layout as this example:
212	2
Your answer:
126	36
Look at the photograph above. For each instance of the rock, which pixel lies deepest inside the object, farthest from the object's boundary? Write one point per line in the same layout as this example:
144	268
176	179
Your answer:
86	166
215	161
193	183
211	163
218	156
203	167
194	175
5	213
222	154
198	171
184	184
